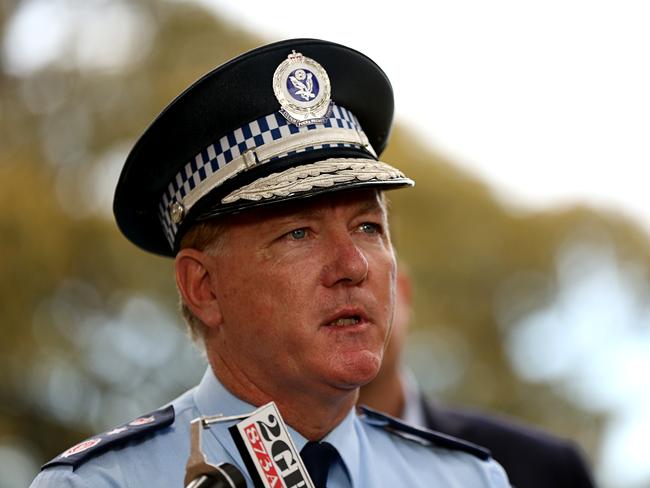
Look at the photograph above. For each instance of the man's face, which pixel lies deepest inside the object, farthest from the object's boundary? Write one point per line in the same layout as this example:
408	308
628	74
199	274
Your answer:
306	292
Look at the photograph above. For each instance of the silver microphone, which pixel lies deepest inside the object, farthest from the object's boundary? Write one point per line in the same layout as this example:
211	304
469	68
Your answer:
200	473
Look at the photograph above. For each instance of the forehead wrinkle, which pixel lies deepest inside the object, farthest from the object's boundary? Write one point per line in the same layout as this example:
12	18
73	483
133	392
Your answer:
364	203
313	208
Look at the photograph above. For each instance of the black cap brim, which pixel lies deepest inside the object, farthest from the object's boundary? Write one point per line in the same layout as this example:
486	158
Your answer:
231	95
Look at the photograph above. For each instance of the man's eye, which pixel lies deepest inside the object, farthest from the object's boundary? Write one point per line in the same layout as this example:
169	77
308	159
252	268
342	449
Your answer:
298	234
369	228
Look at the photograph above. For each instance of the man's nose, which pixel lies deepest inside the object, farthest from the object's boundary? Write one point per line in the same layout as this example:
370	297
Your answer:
346	263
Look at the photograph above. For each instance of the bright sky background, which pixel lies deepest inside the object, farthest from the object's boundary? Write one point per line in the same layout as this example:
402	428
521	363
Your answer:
547	101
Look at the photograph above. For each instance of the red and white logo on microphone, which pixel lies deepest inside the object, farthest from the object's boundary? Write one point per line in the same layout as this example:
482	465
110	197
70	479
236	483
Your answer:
272	451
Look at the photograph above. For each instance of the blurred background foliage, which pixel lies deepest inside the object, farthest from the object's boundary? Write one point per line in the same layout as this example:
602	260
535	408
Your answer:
91	335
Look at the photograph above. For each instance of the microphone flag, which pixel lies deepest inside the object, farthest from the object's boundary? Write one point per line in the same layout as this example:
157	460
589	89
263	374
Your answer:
268	451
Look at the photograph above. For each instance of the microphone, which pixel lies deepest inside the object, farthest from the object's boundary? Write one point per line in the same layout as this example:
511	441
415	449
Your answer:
270	456
199	473
223	475
268	452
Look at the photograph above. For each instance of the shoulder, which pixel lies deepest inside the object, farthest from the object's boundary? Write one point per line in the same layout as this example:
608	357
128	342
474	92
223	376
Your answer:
139	428
153	443
430	455
418	434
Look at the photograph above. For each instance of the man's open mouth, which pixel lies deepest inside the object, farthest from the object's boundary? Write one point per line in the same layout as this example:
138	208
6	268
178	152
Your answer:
352	320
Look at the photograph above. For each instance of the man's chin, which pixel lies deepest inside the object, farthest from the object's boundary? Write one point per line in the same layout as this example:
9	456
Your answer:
357	371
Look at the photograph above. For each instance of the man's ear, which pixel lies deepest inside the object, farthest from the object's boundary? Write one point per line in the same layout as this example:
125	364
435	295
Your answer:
194	271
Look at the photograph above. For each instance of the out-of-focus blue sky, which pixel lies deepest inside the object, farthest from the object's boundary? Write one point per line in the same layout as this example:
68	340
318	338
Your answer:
547	101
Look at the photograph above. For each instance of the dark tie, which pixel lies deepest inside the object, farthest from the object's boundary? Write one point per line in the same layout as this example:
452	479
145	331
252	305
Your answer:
318	457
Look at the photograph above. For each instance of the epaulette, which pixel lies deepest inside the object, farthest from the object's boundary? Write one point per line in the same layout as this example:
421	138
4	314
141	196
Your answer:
91	447
391	424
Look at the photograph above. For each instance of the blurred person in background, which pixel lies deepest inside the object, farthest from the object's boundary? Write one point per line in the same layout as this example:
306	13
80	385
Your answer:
531	458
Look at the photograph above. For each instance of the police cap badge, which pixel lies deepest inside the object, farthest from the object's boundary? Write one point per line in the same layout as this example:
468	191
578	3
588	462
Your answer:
288	120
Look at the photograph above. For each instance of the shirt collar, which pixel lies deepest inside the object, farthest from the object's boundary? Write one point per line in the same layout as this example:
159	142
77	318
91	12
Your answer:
345	439
212	398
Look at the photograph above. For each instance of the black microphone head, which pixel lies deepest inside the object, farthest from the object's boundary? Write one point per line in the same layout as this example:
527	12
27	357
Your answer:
223	475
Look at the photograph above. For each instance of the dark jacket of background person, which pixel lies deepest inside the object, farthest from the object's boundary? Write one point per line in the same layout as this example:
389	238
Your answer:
531	458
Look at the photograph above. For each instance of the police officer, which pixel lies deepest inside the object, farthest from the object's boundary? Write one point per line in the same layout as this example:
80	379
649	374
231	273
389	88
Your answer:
262	181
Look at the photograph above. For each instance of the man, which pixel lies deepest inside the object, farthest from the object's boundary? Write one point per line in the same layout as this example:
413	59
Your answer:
531	458
262	181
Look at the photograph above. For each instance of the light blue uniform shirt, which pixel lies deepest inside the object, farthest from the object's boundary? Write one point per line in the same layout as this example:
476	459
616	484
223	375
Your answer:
370	457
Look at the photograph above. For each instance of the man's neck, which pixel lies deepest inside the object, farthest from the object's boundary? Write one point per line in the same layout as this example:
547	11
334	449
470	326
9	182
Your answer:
312	413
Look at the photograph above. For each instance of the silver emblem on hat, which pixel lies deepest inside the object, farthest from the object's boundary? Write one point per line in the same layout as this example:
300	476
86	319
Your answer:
303	89
176	212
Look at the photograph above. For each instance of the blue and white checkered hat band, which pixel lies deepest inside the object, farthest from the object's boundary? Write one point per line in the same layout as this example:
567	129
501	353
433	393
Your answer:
257	142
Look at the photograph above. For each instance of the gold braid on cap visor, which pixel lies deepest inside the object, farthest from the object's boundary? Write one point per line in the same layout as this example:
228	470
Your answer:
262	141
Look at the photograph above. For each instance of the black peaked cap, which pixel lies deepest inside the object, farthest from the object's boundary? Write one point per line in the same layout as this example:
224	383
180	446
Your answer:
224	99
